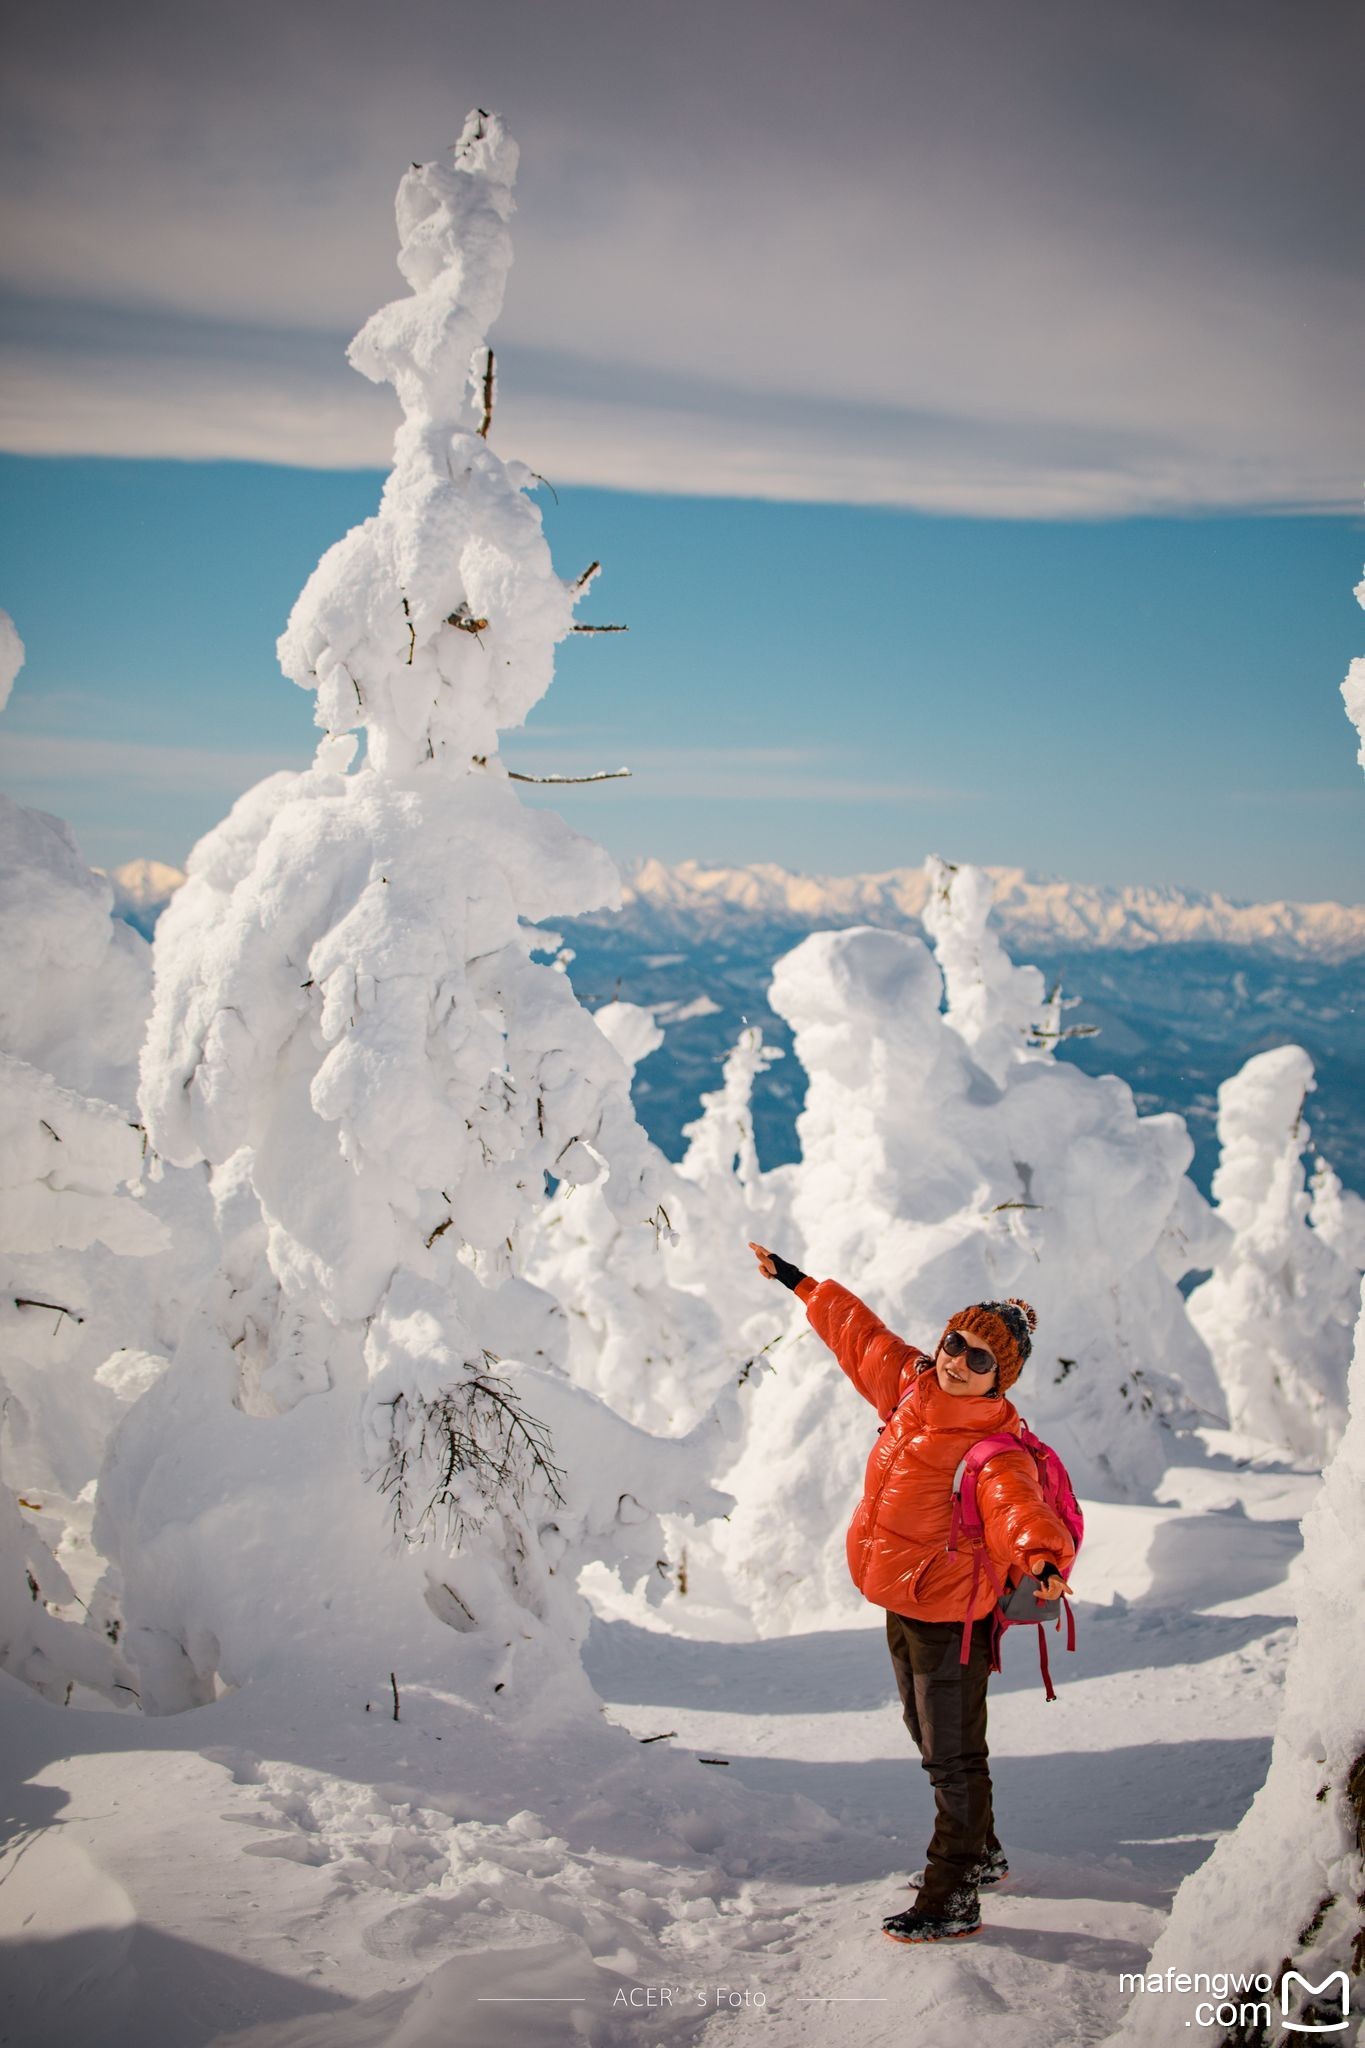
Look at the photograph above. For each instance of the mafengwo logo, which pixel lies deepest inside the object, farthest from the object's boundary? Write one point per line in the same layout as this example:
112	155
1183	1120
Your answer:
1330	2017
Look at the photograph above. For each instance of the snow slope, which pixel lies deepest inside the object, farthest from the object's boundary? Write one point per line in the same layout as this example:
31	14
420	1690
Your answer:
328	1878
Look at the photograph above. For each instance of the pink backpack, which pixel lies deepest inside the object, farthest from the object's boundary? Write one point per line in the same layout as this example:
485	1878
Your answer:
1015	1603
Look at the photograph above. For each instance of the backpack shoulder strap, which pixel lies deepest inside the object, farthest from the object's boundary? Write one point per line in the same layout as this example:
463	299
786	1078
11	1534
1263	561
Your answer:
966	1515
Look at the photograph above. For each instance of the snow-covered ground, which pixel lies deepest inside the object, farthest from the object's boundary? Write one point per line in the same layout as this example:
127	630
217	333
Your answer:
287	1869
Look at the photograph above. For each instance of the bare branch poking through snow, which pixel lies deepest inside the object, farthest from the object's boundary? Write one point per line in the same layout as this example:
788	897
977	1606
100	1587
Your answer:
490	392
471	1449
601	775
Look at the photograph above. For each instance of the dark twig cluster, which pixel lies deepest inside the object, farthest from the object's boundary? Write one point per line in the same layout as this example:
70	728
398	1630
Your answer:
469	1449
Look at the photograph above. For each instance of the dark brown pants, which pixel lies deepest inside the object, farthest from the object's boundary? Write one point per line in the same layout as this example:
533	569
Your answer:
945	1711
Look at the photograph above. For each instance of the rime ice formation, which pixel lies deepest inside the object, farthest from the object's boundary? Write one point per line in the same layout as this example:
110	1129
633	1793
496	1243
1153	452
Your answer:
1337	1215
388	632
996	1009
76	986
79	1239
662	1334
1353	691
949	1158
11	656
658	1353
75	1293
1278	1311
1285	1889
351	1027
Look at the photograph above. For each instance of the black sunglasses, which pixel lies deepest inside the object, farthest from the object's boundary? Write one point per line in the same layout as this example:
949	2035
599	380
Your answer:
955	1344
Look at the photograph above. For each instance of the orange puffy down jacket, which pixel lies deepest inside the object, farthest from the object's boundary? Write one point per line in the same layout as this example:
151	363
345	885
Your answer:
897	1541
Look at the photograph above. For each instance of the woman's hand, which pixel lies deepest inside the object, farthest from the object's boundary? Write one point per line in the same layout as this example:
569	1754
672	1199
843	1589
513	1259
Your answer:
1052	1585
775	1267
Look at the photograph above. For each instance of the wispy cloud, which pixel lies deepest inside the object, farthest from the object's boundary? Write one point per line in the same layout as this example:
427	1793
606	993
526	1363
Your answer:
238	396
29	761
32	762
1058	260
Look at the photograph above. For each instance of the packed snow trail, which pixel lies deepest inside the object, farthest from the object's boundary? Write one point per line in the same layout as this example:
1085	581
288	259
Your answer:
298	1872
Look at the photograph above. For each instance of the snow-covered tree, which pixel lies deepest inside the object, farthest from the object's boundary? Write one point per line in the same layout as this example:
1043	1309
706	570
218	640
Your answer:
734	1202
1278	1310
351	1027
82	1319
674	1340
655	1351
1337	1214
1285	1890
948	1157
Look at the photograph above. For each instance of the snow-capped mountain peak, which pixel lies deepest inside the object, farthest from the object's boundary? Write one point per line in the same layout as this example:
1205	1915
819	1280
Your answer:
1031	910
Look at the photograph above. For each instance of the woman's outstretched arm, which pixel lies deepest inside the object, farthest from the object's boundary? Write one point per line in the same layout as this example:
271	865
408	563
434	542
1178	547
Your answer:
875	1359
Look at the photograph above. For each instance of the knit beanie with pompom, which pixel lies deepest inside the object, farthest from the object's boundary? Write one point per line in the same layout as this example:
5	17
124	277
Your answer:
1006	1327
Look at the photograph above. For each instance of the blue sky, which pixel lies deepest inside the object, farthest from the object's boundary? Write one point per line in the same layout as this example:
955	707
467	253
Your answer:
833	688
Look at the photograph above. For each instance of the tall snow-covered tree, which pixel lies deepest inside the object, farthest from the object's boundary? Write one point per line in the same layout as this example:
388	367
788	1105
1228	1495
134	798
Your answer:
352	1028
1278	1310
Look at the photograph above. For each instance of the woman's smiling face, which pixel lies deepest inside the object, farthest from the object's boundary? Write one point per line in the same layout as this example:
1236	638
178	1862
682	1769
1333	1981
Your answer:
956	1377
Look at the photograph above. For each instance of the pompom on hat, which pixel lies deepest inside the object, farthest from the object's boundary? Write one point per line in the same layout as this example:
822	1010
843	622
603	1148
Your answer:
1005	1327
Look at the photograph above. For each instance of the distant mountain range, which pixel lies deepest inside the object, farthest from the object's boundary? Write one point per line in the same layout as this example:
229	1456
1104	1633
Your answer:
1182	987
1031	912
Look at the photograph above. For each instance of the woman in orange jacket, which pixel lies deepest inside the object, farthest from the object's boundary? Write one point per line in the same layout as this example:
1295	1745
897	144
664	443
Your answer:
932	1410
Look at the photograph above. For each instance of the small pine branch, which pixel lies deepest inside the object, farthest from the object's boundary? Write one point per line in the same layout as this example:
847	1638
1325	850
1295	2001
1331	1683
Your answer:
747	1368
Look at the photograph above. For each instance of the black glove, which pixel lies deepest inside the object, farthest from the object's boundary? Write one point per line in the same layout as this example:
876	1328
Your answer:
785	1271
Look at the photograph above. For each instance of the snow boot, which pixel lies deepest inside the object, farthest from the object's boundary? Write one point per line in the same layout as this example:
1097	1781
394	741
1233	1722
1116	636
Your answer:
992	1869
960	1914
